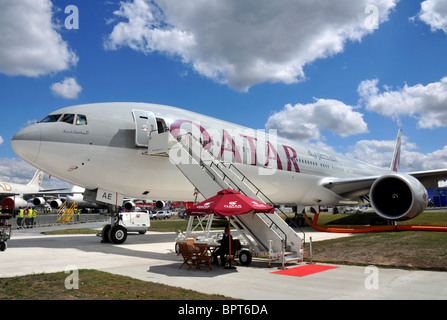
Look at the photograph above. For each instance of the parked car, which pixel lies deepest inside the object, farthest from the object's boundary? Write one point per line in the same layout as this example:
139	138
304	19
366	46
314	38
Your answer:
163	214
153	215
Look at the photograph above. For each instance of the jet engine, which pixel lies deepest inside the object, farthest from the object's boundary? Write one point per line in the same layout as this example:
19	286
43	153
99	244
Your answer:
398	197
55	203
129	206
160	204
14	203
39	201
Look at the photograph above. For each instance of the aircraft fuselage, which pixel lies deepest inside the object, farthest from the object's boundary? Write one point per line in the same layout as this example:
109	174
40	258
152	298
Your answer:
103	146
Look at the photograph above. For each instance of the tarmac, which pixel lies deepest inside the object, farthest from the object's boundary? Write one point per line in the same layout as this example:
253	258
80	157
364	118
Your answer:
151	257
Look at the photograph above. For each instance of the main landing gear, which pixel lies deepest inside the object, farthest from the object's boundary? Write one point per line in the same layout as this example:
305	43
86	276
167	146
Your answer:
114	232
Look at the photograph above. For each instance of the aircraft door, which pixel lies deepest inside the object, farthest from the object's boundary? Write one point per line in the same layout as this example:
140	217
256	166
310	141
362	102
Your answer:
145	125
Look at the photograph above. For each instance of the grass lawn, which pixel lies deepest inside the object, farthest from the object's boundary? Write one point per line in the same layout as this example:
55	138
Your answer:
404	249
93	285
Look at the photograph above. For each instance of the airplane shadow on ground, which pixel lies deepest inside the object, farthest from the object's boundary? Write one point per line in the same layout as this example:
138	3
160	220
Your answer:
172	270
92	243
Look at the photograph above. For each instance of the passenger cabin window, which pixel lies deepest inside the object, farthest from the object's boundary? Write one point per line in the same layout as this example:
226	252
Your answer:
68	118
81	119
51	118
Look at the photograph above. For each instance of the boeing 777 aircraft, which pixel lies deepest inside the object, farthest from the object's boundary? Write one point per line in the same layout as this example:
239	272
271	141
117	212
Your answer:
104	146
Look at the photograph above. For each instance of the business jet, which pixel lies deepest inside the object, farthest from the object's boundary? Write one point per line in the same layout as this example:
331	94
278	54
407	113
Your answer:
104	147
16	195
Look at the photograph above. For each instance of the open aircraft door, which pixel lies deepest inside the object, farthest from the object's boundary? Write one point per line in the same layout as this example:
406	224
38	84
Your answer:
145	125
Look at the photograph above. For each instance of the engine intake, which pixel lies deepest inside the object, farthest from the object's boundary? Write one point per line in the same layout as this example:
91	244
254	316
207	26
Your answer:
129	206
160	204
398	197
56	203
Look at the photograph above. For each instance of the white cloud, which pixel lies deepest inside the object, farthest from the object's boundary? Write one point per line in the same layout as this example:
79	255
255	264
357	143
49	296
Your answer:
380	153
68	88
243	43
304	122
425	103
368	89
434	13
29	42
16	170
1	141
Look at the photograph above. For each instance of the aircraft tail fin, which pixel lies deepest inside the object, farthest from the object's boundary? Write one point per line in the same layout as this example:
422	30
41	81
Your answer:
395	163
37	179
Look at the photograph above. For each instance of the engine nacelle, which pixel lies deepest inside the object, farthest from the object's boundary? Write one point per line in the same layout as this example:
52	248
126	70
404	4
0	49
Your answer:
14	203
55	203
398	197
39	201
160	204
129	206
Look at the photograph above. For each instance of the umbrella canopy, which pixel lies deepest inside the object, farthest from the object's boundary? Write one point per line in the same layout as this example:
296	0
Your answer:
229	202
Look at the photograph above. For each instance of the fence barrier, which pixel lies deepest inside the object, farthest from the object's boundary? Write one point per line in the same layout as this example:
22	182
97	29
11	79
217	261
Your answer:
45	220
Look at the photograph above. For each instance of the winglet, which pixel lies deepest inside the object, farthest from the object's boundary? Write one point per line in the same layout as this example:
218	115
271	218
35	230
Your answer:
395	163
37	179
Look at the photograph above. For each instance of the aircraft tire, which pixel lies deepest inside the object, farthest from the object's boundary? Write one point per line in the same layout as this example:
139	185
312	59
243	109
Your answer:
118	234
245	257
3	245
105	233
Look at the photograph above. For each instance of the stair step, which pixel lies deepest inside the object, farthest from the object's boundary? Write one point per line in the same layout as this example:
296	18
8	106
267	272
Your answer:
293	258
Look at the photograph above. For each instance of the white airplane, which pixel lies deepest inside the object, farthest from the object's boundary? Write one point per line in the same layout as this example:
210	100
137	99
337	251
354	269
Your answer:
16	194
104	146
77	195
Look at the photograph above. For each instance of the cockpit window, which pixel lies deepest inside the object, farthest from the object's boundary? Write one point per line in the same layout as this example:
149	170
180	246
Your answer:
81	119
68	118
51	118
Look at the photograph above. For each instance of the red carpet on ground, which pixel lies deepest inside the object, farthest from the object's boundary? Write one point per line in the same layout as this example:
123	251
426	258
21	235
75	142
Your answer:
302	271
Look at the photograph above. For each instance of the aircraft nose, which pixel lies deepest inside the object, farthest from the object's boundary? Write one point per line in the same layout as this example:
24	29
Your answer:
26	143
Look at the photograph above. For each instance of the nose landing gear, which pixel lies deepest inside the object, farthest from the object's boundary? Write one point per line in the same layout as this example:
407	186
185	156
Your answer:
114	232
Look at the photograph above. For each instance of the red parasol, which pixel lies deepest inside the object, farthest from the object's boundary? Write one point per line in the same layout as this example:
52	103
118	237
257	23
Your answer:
229	203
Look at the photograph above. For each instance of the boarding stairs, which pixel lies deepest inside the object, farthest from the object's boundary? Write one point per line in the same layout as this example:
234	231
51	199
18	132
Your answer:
266	234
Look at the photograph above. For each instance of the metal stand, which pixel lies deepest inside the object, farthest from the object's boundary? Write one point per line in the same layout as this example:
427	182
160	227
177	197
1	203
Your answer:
310	249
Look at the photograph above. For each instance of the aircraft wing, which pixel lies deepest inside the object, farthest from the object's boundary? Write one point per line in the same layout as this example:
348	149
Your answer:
350	187
43	193
355	187
430	178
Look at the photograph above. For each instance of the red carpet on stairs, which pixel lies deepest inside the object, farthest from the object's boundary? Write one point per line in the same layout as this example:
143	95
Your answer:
302	271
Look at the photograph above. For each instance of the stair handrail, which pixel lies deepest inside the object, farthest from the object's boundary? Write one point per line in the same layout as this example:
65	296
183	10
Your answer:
259	191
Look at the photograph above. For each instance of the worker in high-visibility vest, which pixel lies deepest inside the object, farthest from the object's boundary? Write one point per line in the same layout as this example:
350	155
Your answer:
20	219
34	211
30	217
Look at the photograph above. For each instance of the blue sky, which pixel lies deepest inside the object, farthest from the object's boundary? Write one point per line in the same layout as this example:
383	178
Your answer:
318	72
